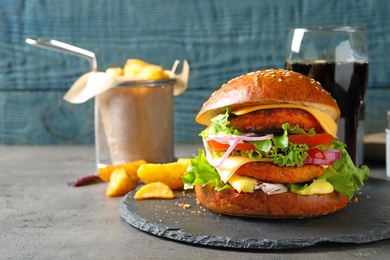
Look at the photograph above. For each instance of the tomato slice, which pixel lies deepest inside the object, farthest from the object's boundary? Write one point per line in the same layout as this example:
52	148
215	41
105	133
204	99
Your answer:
317	139
216	146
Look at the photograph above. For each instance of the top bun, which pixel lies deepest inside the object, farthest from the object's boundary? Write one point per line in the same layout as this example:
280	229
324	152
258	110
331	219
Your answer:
265	88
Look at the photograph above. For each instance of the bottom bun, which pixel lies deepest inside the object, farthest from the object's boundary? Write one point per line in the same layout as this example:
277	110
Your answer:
261	205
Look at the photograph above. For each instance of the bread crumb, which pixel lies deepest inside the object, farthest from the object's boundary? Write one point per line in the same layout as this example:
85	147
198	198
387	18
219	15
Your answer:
184	205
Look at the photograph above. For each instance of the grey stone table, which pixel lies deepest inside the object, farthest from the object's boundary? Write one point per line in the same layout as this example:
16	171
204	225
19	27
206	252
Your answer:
42	217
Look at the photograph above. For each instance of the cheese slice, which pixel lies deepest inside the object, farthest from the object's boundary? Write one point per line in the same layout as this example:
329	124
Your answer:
230	166
243	184
325	120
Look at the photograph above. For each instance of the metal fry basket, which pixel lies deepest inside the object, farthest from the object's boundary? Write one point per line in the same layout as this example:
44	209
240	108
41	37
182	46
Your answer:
135	121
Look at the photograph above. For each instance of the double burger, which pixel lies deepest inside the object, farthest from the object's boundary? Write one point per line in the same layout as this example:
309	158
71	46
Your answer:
271	149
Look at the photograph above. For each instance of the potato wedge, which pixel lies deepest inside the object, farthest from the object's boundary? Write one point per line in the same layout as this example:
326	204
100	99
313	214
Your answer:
130	168
139	69
186	161
152	72
120	183
133	67
154	190
169	173
115	71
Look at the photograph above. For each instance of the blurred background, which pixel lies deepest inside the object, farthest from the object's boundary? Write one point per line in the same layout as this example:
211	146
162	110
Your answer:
221	39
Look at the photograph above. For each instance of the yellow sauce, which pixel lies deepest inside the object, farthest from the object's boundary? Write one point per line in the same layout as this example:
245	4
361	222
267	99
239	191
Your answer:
318	187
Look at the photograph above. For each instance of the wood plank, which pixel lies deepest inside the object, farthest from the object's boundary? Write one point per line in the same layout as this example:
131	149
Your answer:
220	39
42	117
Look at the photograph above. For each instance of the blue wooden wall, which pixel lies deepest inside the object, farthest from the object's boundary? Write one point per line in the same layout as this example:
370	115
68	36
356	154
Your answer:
220	38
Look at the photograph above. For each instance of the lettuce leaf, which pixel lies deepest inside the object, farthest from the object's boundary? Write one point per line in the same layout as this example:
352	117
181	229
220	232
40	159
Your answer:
297	130
344	176
201	172
219	125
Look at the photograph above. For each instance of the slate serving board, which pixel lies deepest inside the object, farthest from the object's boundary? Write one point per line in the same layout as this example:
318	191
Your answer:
366	221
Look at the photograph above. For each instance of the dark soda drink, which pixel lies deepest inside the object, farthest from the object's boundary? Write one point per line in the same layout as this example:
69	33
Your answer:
347	83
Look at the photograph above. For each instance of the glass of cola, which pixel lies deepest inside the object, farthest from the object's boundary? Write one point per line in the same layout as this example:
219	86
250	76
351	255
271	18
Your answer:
337	58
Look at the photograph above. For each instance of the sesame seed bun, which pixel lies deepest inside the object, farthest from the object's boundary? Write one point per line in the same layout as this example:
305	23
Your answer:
265	88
